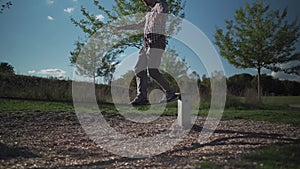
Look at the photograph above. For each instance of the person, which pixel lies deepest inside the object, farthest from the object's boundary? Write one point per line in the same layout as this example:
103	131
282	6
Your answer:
150	54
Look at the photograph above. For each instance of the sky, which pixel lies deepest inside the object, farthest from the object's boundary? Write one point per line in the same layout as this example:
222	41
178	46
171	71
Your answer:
37	35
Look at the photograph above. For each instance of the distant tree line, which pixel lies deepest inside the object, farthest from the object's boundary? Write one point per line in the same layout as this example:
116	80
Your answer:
239	84
30	87
6	68
38	88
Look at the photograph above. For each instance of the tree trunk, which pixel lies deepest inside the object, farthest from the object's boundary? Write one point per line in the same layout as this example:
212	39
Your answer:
94	78
258	86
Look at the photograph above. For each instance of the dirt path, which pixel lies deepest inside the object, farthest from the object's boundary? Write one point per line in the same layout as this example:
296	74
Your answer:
56	140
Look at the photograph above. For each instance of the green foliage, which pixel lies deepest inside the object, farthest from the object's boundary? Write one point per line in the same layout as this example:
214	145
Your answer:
95	57
92	59
4	5
36	88
275	109
171	62
6	68
260	38
237	84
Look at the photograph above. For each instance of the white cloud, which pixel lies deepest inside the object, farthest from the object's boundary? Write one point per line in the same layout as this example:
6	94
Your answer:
50	2
50	18
53	72
59	73
100	17
284	76
69	10
31	72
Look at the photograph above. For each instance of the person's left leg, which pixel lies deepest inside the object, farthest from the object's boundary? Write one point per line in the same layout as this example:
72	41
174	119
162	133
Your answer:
154	56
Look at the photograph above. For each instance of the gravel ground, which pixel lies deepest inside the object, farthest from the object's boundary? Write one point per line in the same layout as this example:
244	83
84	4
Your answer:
57	140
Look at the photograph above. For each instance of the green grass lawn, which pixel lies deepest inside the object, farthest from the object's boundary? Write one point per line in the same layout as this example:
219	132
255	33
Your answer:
281	100
276	101
288	116
8	105
270	157
275	109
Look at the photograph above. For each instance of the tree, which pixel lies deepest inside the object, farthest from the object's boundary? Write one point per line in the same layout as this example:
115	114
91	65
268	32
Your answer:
271	86
195	76
237	84
90	25
172	63
260	38
4	5
6	68
92	57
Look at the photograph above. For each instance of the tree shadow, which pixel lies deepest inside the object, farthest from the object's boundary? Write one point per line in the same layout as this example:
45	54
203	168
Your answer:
239	138
8	152
239	135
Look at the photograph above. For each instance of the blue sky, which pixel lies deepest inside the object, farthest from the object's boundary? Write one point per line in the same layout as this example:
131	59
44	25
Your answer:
37	35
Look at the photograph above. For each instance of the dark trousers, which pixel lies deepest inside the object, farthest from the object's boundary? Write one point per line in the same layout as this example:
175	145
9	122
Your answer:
149	59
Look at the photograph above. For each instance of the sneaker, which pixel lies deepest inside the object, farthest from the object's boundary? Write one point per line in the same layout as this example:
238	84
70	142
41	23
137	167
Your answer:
170	96
140	101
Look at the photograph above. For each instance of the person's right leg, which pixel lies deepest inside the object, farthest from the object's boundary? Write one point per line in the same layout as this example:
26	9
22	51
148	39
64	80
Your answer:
141	79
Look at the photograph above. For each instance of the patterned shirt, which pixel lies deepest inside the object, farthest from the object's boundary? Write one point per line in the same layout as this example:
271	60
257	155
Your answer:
154	24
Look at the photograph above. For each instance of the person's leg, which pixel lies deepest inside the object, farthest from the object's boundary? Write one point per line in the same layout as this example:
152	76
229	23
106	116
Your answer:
154	59
159	78
141	77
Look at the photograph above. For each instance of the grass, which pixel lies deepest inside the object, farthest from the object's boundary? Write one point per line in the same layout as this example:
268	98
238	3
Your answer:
271	157
277	102
275	109
208	165
276	156
273	116
288	116
11	105
8	105
281	100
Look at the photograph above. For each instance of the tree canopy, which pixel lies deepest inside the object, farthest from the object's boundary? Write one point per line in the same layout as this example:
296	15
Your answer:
171	62
4	5
6	68
260	38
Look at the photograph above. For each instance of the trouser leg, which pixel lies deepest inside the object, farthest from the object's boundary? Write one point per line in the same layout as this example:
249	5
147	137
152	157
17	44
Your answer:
159	78
154	60
141	84
141	74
